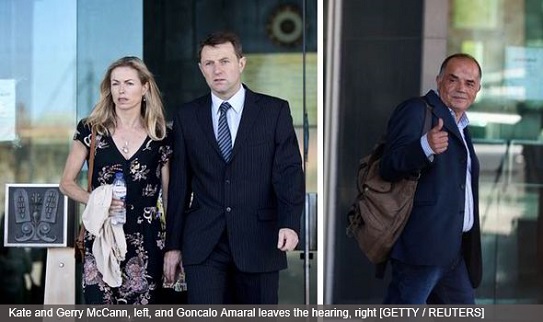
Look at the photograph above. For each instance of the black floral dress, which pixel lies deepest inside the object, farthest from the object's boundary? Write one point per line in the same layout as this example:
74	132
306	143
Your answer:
142	267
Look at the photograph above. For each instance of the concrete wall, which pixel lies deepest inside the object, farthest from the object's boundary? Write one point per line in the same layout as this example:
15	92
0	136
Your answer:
381	56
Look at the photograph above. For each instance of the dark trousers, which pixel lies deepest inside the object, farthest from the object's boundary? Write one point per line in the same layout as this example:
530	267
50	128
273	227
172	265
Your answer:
217	280
419	284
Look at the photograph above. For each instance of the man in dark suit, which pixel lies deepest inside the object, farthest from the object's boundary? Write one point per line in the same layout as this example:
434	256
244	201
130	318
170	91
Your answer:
236	190
437	258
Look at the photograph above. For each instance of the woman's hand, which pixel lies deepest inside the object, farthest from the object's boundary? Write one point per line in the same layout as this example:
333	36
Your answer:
116	205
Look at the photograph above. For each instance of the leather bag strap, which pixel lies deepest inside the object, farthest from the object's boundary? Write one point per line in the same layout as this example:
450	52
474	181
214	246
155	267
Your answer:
427	117
92	152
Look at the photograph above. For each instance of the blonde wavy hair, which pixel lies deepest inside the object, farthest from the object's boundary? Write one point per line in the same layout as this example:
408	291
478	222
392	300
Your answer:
103	116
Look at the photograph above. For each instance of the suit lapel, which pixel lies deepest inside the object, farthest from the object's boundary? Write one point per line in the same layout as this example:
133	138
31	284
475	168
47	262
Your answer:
250	113
449	122
203	116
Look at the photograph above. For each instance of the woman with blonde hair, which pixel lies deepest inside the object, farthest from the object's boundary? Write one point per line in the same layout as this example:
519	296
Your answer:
131	137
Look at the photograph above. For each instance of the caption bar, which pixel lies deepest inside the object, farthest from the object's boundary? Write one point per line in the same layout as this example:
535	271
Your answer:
509	313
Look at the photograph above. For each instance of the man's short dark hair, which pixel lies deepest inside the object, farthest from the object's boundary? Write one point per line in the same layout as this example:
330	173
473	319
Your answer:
221	37
463	56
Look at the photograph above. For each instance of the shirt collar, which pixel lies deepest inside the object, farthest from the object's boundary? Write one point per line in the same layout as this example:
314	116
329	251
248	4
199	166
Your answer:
464	121
235	101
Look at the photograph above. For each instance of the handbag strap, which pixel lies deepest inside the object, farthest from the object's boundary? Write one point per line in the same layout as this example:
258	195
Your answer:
92	152
80	239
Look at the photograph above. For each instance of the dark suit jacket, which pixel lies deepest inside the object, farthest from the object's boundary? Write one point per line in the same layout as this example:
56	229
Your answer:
433	234
260	191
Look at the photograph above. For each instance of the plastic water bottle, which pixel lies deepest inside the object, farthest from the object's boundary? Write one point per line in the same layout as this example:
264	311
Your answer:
119	192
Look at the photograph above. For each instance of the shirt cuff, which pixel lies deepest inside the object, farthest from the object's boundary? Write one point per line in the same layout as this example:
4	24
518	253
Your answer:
426	147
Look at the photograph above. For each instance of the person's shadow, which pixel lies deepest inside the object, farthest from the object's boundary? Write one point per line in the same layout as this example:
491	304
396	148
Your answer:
170	296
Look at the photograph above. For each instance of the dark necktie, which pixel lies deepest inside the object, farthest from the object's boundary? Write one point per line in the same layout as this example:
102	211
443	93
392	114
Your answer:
223	136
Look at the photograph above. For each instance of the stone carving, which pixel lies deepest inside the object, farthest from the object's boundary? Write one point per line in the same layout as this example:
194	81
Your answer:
36	215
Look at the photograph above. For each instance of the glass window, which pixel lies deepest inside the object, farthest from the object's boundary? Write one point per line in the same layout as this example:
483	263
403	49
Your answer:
506	120
102	37
37	88
54	55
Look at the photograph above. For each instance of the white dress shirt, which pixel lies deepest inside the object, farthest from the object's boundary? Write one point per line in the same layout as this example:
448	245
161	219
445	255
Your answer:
233	115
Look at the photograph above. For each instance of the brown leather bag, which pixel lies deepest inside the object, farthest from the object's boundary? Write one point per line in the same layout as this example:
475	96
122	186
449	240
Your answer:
381	209
80	238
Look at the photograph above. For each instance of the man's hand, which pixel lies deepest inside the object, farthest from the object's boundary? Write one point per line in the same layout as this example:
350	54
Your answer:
172	259
438	139
288	239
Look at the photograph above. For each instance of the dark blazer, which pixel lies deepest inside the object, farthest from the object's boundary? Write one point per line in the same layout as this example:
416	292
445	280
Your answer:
433	234
260	191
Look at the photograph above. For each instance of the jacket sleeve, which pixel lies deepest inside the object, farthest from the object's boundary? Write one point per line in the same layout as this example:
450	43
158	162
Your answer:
403	155
178	189
287	176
